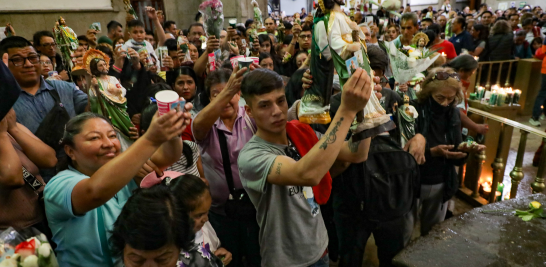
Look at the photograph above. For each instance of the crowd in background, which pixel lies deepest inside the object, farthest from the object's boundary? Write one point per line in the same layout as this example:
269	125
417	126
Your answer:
237	136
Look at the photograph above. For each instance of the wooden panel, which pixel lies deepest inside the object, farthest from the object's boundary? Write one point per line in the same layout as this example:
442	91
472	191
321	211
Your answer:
528	79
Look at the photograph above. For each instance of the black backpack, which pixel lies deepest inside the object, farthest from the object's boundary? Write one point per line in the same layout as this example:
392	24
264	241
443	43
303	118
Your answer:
51	130
391	183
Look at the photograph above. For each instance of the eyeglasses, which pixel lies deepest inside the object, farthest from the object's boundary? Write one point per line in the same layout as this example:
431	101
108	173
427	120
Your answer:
49	45
444	76
44	63
20	61
305	37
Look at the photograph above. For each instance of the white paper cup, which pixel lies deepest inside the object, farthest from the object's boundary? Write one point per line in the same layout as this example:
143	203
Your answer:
245	63
255	59
165	100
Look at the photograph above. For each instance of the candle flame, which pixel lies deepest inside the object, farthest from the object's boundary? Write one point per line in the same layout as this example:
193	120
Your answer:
476	58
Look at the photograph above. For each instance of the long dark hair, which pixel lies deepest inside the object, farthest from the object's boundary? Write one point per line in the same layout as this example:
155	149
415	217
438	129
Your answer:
188	189
145	121
484	31
276	58
151	219
184	70
72	128
93	66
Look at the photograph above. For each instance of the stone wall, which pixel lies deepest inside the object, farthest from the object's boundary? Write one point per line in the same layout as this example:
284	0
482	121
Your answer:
181	11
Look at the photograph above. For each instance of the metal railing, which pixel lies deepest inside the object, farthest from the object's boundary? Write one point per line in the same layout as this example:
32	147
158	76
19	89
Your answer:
498	164
489	66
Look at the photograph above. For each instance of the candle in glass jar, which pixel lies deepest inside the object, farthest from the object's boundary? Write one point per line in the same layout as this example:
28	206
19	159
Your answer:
493	98
480	92
517	94
509	97
500	98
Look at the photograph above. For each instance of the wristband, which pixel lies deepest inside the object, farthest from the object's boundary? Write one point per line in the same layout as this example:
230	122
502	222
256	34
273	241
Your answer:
116	68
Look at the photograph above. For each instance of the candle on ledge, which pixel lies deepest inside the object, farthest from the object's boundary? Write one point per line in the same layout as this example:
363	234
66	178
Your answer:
500	190
500	98
493	98
443	54
509	96
480	92
517	94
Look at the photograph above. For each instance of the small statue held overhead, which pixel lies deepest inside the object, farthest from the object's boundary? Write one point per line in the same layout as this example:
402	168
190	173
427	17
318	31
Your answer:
406	121
66	39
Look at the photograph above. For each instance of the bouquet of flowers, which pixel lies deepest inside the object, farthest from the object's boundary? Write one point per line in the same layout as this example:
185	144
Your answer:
407	61
129	8
29	248
213	16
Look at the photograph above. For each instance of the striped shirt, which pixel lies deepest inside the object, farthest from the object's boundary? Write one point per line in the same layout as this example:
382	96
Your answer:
180	165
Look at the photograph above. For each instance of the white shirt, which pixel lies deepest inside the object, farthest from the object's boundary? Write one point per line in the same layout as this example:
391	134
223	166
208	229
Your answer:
208	236
150	49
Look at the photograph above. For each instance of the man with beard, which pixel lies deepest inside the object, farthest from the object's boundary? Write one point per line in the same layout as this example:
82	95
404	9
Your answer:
108	99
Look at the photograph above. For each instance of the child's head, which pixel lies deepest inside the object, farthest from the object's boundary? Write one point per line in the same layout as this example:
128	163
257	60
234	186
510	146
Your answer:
193	196
136	30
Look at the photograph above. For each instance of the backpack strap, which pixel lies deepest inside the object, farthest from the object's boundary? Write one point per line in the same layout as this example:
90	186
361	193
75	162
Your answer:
226	162
53	92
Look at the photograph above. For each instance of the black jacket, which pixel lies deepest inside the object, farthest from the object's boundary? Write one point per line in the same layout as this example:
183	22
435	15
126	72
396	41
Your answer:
438	170
500	47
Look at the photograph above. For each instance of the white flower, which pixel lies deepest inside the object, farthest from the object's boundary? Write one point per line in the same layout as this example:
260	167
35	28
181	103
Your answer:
30	261
45	250
412	62
415	54
391	5
8	263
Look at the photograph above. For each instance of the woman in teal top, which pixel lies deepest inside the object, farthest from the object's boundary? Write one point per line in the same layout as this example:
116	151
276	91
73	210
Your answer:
83	201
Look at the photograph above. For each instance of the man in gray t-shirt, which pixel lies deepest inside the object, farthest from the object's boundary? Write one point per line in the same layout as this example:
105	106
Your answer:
279	179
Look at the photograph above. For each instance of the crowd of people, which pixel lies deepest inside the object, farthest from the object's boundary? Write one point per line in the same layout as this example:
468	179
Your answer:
233	178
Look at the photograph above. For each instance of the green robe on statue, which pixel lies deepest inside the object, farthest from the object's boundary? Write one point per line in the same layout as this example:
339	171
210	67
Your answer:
111	106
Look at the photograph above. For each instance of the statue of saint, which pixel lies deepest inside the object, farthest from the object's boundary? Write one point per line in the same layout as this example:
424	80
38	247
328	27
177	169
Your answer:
406	120
66	39
107	95
420	41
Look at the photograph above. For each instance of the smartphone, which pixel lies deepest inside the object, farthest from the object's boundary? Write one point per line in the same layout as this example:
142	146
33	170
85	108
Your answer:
368	19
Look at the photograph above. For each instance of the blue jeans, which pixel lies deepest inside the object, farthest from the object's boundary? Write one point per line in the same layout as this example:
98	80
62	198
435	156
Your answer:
322	262
541	99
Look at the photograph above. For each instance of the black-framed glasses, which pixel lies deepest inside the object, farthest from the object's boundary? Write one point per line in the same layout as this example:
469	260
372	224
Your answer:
49	45
444	76
20	61
304	37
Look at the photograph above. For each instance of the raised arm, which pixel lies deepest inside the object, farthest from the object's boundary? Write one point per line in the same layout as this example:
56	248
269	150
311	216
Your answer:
205	119
93	192
152	14
39	153
307	171
200	65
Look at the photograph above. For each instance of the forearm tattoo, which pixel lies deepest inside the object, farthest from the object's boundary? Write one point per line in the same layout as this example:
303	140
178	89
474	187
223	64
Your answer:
331	137
353	146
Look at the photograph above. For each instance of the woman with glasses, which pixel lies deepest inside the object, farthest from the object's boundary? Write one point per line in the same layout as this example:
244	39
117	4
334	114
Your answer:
439	122
47	69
